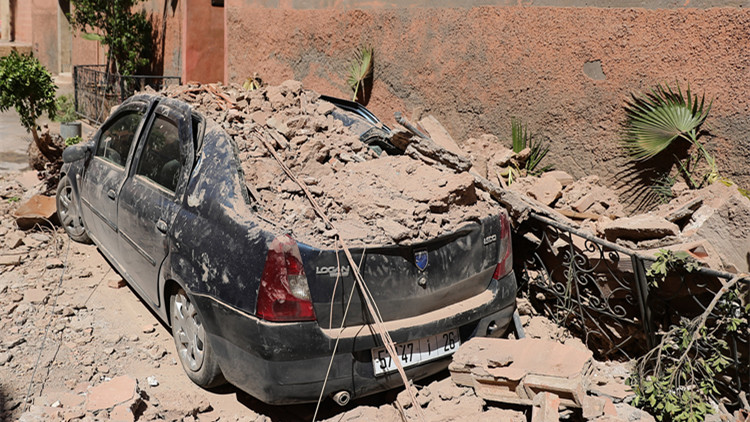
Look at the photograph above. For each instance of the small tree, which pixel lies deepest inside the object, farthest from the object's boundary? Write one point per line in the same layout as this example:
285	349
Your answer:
27	86
127	35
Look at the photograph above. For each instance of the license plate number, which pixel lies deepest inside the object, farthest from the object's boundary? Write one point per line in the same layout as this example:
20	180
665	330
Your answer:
415	352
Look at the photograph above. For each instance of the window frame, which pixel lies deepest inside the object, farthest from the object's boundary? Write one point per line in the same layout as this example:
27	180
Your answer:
131	109
142	150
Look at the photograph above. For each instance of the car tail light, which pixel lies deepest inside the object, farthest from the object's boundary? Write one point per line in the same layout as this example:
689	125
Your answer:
284	294
505	249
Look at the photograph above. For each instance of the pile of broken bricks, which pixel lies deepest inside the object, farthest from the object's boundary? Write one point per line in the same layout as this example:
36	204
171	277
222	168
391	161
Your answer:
371	199
711	224
556	380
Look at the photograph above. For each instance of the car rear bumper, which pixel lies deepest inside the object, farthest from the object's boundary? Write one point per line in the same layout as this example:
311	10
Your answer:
284	363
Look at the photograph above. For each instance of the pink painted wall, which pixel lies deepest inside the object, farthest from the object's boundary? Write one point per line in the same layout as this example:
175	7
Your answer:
203	35
22	21
44	33
166	22
476	67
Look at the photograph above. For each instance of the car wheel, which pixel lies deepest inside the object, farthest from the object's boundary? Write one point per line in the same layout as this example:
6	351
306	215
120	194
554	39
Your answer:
68	212
191	340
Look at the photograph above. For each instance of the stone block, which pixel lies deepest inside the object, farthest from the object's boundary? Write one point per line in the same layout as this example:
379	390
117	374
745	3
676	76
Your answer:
440	135
546	408
545	189
38	209
564	178
119	390
640	227
592	407
515	371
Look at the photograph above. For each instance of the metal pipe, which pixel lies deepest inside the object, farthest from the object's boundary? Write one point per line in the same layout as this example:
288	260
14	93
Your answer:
342	398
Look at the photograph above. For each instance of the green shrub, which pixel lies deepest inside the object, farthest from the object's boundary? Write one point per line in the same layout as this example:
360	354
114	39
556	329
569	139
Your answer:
26	85
66	111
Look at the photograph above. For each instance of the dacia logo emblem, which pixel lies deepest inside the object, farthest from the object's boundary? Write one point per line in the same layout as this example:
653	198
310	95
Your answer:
420	258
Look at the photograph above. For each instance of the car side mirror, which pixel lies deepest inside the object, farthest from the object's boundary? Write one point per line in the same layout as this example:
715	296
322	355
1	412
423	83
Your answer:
76	152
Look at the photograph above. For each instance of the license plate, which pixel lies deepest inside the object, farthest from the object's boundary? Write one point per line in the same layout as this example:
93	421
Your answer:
417	351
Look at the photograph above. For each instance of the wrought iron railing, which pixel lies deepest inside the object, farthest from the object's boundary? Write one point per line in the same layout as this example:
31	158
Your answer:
97	91
599	290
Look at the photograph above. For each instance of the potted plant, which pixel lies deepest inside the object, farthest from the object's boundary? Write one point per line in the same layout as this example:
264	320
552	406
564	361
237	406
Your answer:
66	115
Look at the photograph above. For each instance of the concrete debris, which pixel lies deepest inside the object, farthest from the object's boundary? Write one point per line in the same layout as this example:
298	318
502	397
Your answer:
711	224
439	134
564	178
587	195
399	199
549	377
724	224
114	281
545	189
546	406
515	371
14	239
38	209
119	390
640	227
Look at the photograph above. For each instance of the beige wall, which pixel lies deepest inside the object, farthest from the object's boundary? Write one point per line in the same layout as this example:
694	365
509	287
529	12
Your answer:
476	67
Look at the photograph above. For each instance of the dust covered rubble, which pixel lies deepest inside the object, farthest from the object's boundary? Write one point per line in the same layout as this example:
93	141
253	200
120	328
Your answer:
560	380
711	224
370	199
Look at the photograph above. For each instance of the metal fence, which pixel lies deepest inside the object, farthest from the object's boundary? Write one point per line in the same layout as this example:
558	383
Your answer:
599	290
97	91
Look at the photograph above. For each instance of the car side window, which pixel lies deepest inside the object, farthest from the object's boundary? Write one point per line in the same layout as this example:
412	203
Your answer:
160	160
115	141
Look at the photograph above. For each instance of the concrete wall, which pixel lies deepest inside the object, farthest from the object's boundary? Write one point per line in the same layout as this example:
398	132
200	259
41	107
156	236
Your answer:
203	35
22	21
44	33
166	23
166	18
38	23
476	67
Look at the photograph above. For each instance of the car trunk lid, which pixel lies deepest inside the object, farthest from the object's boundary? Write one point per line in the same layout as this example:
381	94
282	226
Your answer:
404	280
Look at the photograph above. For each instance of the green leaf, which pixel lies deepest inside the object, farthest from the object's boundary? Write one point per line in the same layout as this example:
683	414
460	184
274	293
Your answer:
360	69
90	36
656	119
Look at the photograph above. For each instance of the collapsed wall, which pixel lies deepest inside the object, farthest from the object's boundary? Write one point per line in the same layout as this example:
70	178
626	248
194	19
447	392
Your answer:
371	199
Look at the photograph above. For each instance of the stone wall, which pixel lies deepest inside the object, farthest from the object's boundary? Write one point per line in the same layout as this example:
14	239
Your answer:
566	71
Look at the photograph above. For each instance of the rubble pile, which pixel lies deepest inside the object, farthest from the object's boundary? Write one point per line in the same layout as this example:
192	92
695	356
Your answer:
371	199
556	380
711	224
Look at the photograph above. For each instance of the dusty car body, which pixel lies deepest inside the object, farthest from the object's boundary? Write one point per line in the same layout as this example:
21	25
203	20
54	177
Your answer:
160	191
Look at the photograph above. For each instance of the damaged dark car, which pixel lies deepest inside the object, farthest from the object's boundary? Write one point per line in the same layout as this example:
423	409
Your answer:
159	190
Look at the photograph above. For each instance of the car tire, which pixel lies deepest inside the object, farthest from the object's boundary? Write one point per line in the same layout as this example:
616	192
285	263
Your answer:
68	212
191	340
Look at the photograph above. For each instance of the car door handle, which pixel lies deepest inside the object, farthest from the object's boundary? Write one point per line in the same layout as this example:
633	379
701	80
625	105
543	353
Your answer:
111	194
161	225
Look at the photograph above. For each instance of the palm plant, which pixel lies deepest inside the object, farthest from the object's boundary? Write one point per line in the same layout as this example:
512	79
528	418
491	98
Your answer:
521	139
658	118
359	70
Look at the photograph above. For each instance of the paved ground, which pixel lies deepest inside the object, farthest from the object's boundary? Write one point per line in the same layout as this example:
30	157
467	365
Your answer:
14	140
